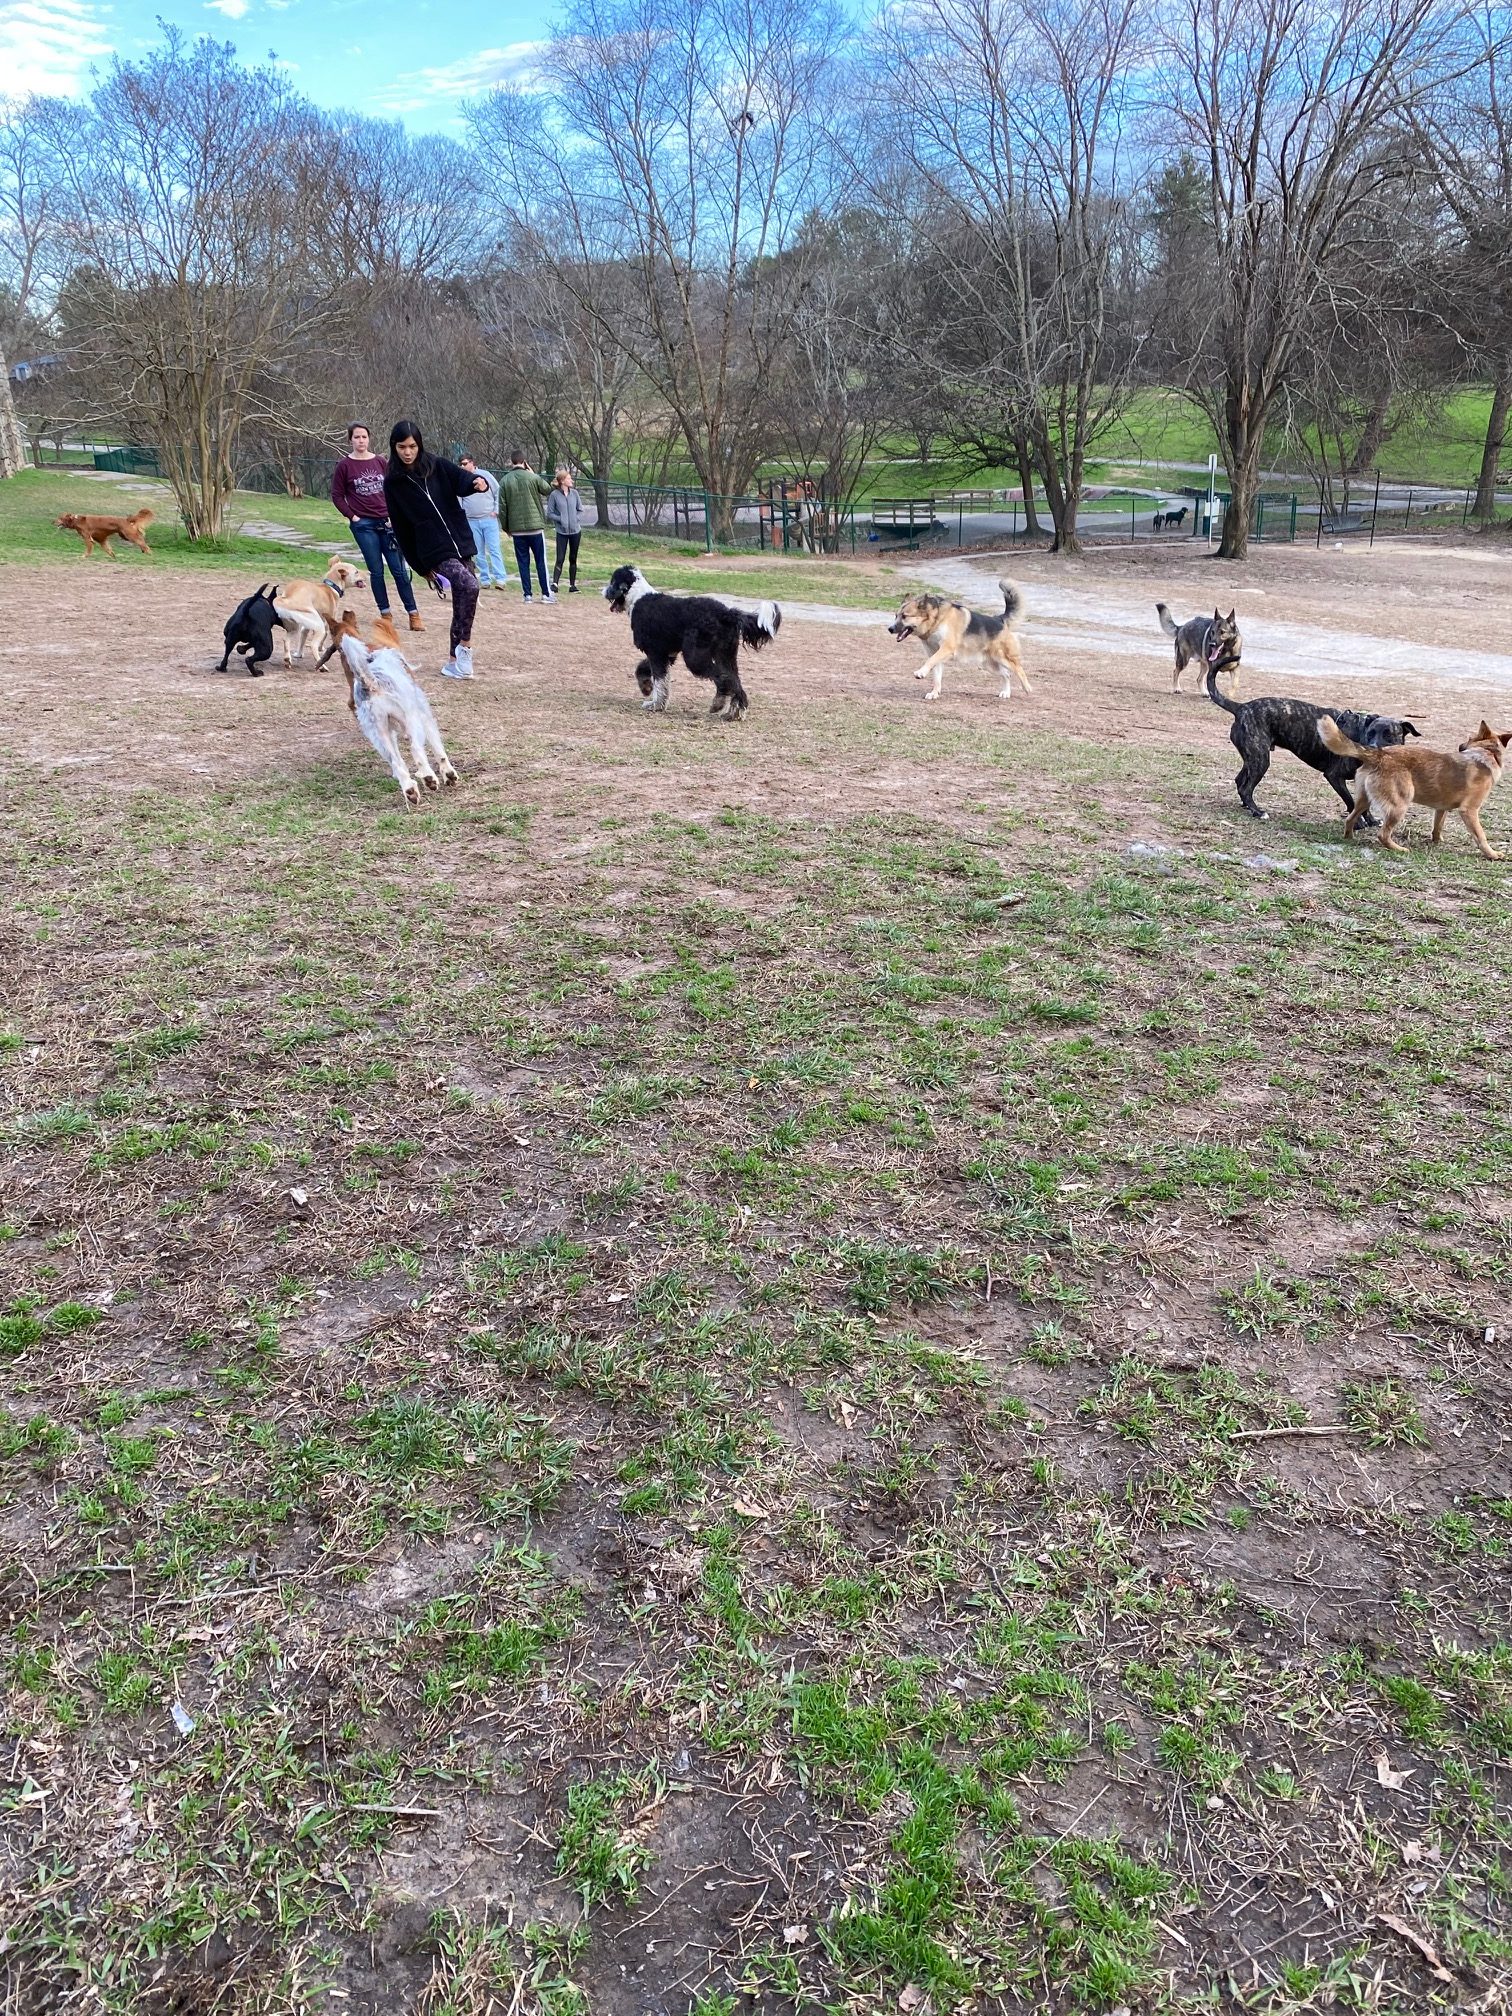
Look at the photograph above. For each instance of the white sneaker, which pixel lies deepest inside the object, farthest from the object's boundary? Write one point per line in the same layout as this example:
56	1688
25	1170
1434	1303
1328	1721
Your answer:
452	670
464	661
550	595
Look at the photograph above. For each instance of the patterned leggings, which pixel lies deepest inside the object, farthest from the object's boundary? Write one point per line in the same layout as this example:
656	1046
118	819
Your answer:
463	584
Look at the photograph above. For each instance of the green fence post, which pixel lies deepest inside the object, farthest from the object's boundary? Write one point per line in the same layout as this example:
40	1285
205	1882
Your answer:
1292	534
1132	534
708	528
1407	516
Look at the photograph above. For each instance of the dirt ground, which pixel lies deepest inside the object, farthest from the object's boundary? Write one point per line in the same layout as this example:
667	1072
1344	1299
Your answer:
854	1361
98	676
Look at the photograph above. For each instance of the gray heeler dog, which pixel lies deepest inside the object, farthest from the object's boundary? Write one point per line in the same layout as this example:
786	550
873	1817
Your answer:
1214	639
1263	726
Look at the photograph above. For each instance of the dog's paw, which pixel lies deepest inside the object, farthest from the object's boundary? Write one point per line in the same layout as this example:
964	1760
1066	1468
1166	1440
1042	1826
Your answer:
919	675
430	780
932	694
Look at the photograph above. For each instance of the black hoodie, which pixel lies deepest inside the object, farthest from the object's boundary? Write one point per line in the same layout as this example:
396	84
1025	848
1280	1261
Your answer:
426	512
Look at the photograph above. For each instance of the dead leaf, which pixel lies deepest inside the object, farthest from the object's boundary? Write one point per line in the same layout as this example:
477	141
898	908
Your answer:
1412	1851
913	1997
1425	1949
747	1510
1392	1780
794	1935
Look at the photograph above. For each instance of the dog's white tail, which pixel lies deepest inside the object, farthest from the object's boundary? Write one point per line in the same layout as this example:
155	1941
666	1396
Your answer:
769	616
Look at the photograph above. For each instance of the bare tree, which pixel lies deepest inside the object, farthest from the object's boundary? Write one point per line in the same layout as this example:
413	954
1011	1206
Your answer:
558	320
1013	117
187	185
685	140
1287	105
1465	130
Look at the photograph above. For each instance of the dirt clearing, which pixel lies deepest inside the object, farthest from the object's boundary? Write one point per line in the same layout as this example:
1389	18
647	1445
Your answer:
855	1362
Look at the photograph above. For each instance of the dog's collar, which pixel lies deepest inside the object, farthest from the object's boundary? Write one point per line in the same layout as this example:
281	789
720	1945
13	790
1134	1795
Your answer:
327	582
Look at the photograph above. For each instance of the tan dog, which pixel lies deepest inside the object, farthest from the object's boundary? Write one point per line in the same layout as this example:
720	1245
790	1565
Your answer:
312	609
96	530
956	635
1389	782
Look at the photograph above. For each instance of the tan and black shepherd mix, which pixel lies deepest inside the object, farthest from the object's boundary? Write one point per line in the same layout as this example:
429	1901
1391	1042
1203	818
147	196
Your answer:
955	635
95	529
1389	782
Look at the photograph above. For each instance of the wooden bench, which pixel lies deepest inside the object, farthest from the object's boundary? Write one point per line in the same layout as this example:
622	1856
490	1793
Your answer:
907	519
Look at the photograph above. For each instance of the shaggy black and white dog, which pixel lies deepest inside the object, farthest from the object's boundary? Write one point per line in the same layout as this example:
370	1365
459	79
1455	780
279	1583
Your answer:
706	633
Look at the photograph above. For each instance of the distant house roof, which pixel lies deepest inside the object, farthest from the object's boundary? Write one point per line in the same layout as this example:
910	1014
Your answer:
29	367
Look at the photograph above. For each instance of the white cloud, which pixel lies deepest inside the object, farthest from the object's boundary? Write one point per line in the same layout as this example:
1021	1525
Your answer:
49	47
516	63
232	9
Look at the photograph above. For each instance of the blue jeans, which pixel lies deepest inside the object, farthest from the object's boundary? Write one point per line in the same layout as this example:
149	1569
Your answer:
490	550
376	542
526	543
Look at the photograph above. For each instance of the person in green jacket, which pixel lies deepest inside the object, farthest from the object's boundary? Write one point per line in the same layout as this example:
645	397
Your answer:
520	494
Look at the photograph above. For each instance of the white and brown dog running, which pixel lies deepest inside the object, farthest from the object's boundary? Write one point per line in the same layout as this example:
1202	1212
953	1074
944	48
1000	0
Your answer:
387	700
312	609
956	635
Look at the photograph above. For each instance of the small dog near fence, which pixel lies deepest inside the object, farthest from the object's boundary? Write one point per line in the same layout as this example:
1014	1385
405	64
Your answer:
1167	521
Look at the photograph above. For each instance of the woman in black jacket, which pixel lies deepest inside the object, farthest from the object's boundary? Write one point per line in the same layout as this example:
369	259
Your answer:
423	493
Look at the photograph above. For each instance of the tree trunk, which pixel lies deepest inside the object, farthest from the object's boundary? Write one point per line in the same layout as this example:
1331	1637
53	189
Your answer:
1062	500
1496	434
1372	437
601	497
1025	462
1244	485
12	448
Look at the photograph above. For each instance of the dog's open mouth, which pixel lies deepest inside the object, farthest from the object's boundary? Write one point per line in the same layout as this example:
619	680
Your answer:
1218	649
900	629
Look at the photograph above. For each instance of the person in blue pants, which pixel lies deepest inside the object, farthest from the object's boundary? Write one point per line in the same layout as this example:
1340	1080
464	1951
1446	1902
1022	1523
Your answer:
357	493
483	515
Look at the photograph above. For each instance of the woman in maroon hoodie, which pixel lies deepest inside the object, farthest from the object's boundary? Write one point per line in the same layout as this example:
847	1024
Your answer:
357	493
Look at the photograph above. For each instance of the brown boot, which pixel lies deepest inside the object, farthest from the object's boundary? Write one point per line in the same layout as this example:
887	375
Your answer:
415	623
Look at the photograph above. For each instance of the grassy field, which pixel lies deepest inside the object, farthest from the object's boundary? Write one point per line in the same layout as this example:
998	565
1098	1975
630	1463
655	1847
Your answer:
749	1371
30	504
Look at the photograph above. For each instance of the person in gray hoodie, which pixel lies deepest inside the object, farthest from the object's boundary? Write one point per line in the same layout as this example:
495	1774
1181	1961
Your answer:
483	513
564	507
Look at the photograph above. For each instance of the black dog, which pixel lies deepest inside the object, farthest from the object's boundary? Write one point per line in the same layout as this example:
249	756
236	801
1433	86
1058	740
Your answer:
1164	520
708	634
1263	726
250	631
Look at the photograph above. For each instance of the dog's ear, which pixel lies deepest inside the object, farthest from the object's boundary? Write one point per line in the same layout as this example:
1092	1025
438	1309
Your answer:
1504	739
1408	729
1485	733
1233	615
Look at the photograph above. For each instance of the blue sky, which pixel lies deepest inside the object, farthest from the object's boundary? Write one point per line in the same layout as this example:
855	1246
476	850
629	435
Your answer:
410	59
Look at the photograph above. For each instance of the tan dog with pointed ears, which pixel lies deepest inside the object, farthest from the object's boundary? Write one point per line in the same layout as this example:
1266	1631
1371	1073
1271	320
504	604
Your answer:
1389	782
